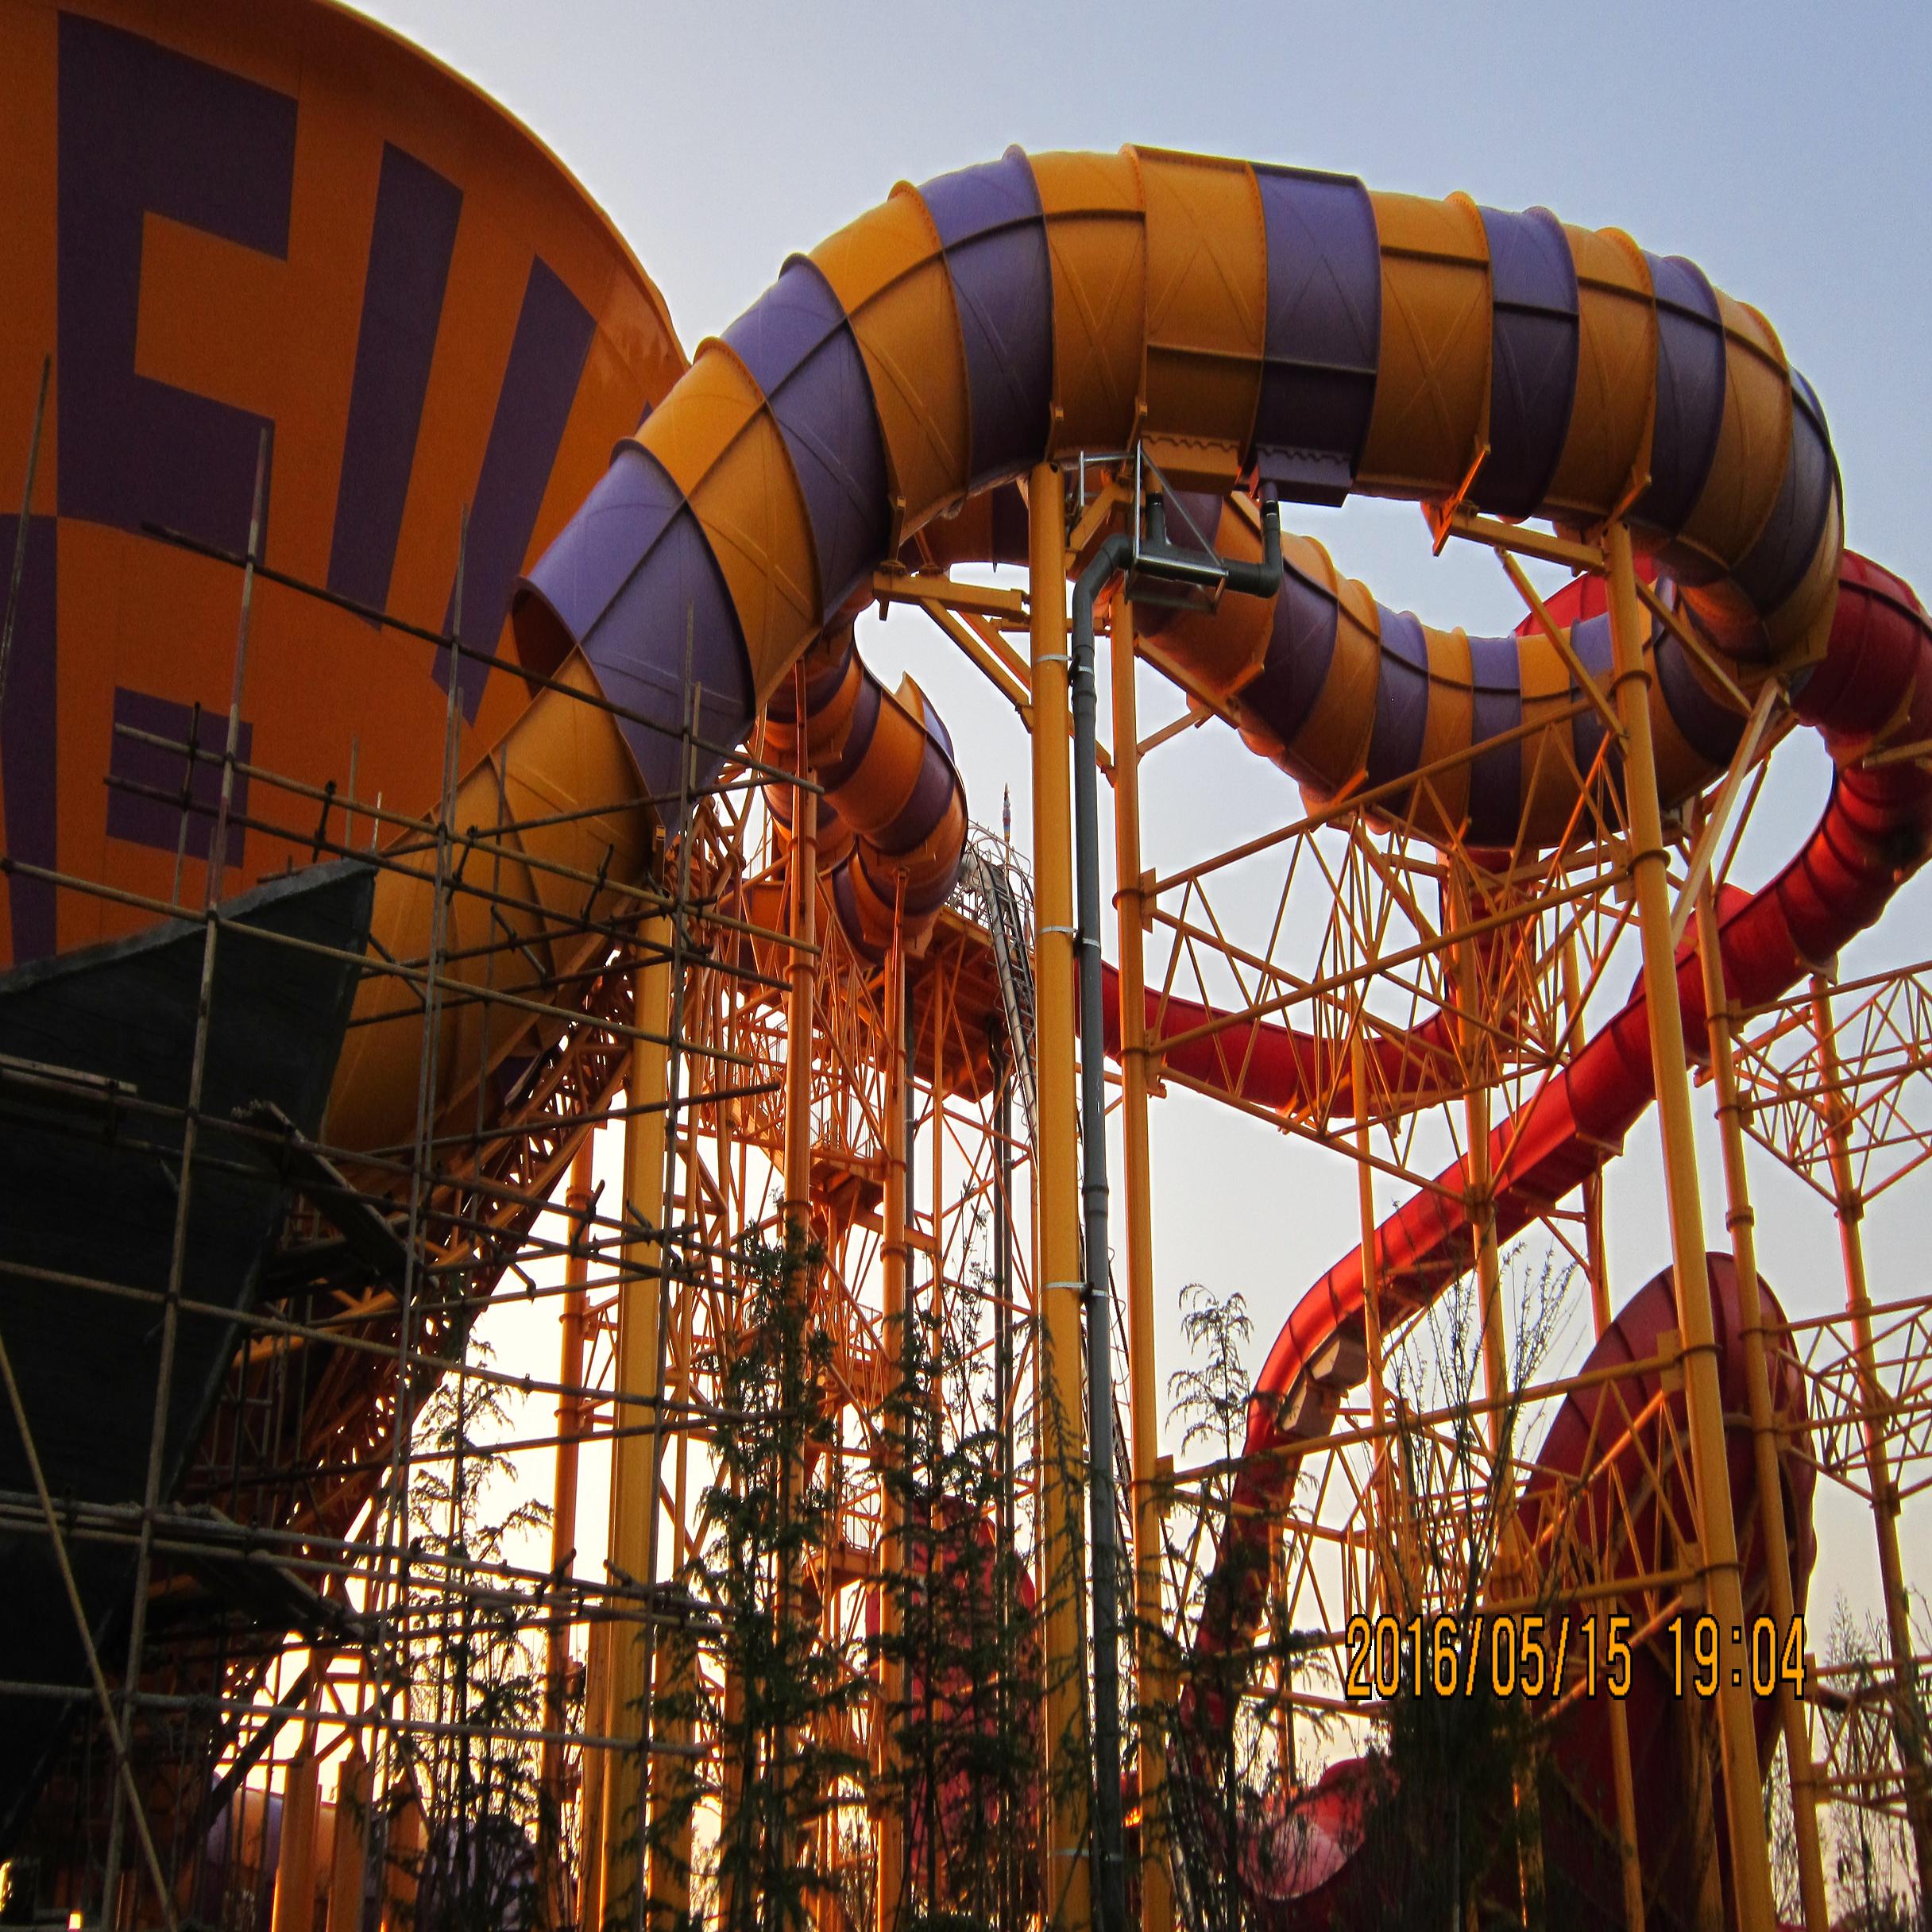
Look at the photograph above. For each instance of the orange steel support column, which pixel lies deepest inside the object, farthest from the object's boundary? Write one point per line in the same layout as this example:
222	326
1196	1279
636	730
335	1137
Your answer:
1741	1221
1623	1778
633	1456
1717	1526
571	1420
799	1016
294	1910
354	1787
1593	1182
403	1862
1908	1721
1143	1377
890	1888
1391	1541
799	1041
673	1779
1062	1471
1481	1191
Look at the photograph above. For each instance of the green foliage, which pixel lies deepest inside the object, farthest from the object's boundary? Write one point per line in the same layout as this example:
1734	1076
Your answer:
1871	1866
1451	1802
1443	1803
1222	1765
476	1670
966	1730
767	1513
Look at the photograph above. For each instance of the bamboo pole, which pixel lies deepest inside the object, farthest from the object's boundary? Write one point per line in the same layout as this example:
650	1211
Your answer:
573	1419
890	1884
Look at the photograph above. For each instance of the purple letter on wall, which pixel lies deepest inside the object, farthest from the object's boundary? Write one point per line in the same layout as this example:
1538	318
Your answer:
146	781
144	129
546	361
409	250
28	717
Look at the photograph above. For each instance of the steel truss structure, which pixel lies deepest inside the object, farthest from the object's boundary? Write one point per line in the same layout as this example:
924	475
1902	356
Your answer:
328	1658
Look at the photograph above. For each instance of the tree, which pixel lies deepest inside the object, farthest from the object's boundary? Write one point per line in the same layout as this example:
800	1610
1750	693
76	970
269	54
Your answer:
1448	1799
478	1677
785	1681
966	1733
1219	1762
1872	1868
1440	1810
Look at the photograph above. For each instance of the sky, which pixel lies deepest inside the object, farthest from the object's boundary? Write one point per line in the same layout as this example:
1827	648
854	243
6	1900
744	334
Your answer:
1780	145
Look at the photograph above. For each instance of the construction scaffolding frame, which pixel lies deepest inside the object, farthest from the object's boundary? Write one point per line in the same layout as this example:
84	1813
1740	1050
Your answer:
329	1653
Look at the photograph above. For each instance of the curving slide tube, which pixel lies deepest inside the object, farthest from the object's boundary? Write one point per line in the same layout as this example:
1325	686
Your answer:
892	820
1237	320
1241	323
1321	1855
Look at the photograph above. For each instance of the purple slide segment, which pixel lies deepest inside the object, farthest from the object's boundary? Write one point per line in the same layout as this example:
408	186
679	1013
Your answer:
1690	385
630	577
1012	536
821	685
1711	729
411	241
1300	649
917	819
144	129
845	897
546	362
146	821
883	878
1495	773
1591	639
1324	335
29	740
1776	564
798	347
1401	698
858	737
989	223
1532	358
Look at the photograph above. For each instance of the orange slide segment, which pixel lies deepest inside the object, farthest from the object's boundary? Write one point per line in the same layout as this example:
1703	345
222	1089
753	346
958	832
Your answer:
533	827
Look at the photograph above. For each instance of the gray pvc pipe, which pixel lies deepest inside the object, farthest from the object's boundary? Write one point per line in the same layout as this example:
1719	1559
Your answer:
1156	559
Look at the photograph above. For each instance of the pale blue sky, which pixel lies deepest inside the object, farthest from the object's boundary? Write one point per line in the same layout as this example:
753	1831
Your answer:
1781	145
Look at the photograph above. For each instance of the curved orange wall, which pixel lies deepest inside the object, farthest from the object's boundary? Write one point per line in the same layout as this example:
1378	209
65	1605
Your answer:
222	213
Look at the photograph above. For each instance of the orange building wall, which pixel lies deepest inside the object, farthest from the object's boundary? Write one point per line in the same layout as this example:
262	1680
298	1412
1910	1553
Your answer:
222	212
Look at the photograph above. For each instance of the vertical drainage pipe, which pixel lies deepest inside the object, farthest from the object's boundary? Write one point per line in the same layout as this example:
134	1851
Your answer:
1155	559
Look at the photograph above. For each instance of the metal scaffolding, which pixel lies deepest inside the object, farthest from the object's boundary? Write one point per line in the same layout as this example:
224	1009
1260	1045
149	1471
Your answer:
341	1689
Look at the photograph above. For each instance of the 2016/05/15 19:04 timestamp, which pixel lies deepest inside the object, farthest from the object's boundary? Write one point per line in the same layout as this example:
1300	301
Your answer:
1541	1656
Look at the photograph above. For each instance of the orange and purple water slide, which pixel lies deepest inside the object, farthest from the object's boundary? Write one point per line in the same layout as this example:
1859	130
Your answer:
1295	331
